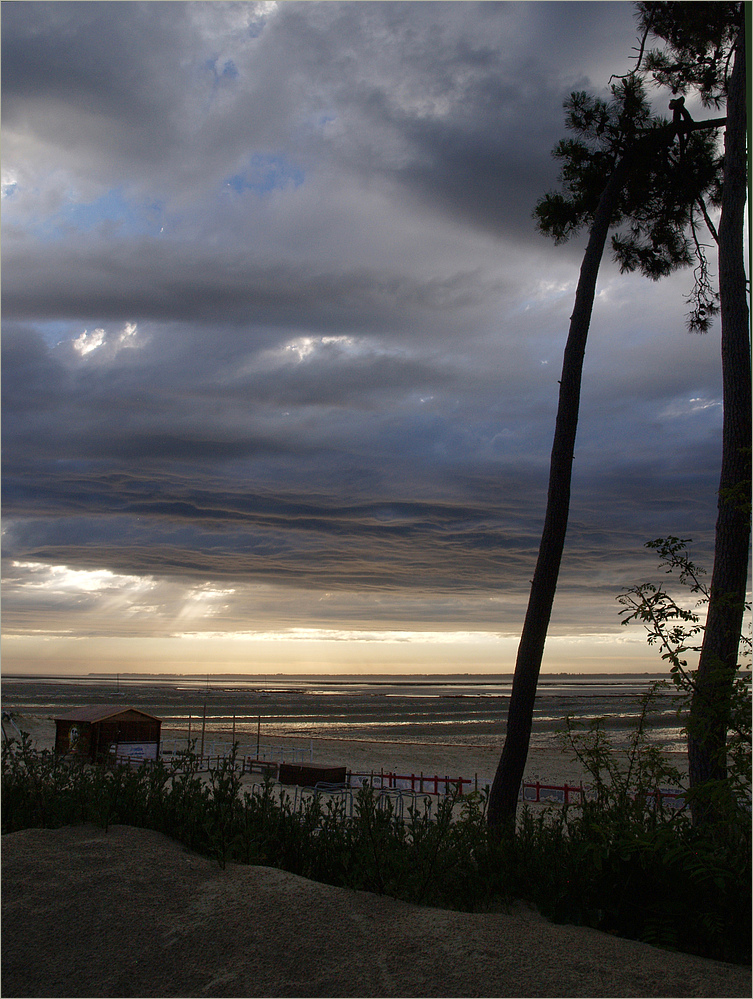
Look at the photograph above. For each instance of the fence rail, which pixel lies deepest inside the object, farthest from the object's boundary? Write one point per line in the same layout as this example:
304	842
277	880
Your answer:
412	786
288	754
530	791
203	764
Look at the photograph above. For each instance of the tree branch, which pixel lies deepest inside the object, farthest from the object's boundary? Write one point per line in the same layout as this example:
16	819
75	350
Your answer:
641	51
709	224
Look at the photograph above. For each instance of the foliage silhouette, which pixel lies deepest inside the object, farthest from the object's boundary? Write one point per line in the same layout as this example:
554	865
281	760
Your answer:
621	171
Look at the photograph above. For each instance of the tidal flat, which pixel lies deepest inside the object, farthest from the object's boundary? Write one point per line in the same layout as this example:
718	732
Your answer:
432	724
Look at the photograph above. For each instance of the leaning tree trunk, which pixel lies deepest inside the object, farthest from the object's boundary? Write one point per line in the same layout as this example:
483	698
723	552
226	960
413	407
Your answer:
503	798
710	706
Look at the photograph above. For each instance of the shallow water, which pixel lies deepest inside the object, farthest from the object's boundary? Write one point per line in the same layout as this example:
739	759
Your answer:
462	710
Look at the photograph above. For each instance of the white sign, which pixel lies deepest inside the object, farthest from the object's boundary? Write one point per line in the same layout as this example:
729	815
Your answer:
138	750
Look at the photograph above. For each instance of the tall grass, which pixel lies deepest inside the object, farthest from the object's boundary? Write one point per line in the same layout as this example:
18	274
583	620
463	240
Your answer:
618	863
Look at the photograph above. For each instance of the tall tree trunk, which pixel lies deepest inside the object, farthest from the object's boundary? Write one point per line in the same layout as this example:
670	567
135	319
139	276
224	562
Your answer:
710	705
503	798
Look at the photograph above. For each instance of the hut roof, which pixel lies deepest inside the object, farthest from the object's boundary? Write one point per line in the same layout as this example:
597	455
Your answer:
101	712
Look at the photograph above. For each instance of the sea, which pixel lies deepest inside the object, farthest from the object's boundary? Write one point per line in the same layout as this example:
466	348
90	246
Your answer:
460	709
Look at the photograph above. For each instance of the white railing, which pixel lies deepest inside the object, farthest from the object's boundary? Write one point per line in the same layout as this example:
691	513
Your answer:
171	748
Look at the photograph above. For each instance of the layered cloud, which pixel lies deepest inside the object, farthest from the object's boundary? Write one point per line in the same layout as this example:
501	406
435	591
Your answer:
280	341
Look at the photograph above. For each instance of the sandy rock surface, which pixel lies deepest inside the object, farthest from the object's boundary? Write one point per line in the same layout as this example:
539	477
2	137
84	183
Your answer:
132	913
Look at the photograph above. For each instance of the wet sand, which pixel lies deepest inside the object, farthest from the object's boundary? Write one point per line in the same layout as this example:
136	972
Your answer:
400	725
550	765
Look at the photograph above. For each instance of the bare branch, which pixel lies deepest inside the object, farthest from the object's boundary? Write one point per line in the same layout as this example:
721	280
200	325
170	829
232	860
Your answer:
709	224
703	298
641	51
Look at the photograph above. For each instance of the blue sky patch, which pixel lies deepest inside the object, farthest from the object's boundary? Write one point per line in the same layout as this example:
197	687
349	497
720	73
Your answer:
266	173
228	70
55	330
111	212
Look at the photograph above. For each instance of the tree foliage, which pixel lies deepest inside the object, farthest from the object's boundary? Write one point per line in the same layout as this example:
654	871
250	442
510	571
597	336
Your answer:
700	39
672	615
662	205
700	42
649	179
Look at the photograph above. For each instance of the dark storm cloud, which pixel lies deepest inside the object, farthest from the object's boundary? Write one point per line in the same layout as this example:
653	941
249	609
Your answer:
162	283
85	56
432	96
275	313
469	125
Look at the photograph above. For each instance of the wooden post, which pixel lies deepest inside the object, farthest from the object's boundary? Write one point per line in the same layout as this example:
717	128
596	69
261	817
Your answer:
258	736
203	727
233	729
189	733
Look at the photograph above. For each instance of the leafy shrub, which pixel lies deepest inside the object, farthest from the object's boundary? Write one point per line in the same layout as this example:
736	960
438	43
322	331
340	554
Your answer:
646	872
673	624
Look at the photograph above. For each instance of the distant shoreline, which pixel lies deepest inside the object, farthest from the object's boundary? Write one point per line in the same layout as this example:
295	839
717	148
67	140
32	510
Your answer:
467	711
341	678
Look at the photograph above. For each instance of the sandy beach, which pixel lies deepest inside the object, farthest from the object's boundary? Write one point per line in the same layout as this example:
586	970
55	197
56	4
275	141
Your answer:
132	913
363	755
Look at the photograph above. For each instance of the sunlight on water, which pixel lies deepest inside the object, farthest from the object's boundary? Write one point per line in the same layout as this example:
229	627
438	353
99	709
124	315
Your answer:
458	710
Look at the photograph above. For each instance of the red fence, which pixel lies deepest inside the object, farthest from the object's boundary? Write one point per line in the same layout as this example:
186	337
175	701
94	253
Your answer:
533	792
536	791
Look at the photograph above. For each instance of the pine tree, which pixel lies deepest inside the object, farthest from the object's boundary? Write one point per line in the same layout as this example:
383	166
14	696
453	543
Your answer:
646	178
705	52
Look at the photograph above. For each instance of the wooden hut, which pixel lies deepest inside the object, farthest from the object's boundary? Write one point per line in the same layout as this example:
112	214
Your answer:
99	731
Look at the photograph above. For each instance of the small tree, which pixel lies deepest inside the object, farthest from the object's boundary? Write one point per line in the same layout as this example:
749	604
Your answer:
674	625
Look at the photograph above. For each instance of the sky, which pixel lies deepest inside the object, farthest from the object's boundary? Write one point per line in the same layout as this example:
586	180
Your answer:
281	343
